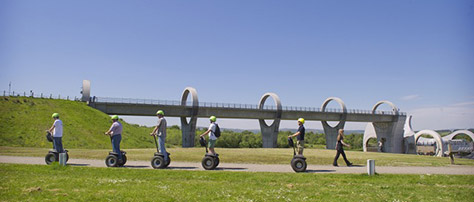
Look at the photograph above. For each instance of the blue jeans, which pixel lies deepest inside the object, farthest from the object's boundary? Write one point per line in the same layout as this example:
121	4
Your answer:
116	144
58	144
161	142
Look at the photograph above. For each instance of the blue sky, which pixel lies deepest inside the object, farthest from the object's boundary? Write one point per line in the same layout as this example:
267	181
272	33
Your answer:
417	54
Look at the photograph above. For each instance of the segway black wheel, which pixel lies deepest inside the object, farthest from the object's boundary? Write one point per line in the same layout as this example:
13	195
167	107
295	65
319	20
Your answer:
50	158
208	163
67	157
217	162
124	160
111	161
298	165
168	162
158	162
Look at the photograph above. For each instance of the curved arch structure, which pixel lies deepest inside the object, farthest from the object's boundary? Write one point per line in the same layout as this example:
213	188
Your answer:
189	129
439	142
331	132
368	133
458	132
392	131
270	132
394	108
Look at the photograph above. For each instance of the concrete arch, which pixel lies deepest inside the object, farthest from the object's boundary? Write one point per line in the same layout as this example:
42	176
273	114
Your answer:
344	111
394	108
278	111
270	133
195	106
189	129
436	136
368	133
458	132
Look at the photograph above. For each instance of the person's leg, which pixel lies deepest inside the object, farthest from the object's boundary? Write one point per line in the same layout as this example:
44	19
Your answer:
116	145
335	159
60	145
54	144
212	143
345	159
161	142
300	146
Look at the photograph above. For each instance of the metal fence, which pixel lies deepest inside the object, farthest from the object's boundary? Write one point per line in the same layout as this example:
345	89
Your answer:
39	95
234	105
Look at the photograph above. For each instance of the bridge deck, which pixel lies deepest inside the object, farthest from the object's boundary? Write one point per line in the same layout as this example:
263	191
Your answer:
143	107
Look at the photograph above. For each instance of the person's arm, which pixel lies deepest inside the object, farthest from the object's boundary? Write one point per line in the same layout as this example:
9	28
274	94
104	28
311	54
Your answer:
154	131
205	133
343	143
110	130
156	128
296	134
52	128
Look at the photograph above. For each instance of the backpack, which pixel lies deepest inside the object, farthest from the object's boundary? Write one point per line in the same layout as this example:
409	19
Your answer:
217	133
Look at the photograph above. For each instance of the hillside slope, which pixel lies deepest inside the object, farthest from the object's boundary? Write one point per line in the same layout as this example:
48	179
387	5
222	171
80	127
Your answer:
23	121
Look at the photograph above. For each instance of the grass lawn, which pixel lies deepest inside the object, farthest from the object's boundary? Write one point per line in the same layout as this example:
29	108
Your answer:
254	156
56	183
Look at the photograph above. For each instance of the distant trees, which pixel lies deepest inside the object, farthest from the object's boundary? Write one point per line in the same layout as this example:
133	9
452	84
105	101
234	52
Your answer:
248	139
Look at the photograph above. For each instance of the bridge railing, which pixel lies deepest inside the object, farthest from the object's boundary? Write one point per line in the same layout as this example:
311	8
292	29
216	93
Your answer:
32	94
234	105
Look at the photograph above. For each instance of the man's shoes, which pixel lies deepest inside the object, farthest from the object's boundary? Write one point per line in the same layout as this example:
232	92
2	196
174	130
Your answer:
335	165
349	165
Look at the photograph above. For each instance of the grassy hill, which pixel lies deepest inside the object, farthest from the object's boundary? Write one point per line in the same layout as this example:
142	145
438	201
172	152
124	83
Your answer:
24	120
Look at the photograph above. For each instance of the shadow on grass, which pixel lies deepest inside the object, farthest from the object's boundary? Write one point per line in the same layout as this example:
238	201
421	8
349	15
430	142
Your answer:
77	164
320	171
224	168
181	168
135	166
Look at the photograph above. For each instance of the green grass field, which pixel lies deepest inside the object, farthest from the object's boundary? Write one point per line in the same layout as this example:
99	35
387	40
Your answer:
254	156
56	183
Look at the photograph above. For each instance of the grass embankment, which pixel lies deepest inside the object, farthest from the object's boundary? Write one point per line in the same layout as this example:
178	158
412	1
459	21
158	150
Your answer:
55	183
254	156
24	121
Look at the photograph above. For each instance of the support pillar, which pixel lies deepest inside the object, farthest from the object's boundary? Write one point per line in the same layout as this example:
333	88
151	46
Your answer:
329	131
392	132
270	133
189	129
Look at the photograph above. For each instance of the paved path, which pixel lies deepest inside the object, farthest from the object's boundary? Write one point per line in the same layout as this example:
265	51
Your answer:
453	170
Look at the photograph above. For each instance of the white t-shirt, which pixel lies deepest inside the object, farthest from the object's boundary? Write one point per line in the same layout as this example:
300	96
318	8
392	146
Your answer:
212	127
58	128
161	127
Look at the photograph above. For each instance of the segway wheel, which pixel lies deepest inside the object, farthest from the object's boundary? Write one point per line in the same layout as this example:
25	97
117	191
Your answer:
50	158
111	161
67	157
158	162
298	165
217	162
168	162
124	160
208	163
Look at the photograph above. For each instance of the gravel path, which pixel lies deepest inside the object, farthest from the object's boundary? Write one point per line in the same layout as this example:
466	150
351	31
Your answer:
450	170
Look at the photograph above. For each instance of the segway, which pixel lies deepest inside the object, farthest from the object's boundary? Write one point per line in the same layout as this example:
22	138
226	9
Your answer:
298	163
53	155
112	159
158	161
210	161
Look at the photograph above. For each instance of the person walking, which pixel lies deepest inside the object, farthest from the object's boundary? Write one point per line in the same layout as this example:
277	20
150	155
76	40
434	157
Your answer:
340	148
160	130
115	133
299	136
212	137
57	131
